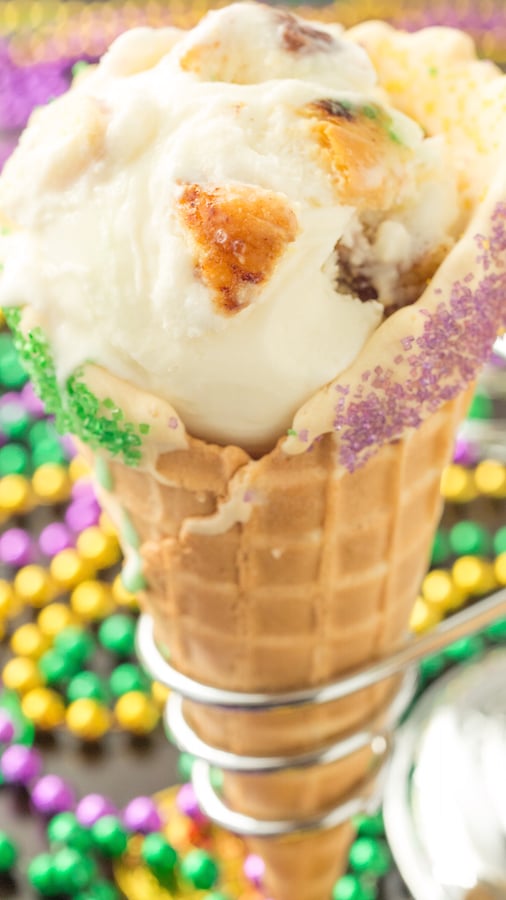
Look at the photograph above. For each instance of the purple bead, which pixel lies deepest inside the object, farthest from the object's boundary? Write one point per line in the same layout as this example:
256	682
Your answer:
92	808
16	547
83	491
465	453
186	802
6	728
20	764
141	816
82	514
51	795
9	398
54	538
33	404
254	869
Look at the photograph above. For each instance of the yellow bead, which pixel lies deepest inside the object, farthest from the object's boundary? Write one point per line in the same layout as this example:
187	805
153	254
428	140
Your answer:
78	469
457	484
500	568
2	630
92	601
55	618
424	617
2	318
98	548
34	586
440	592
44	707
122	596
21	674
68	569
88	719
490	478
108	526
28	640
473	575
15	494
10	605
51	483
160	694
136	712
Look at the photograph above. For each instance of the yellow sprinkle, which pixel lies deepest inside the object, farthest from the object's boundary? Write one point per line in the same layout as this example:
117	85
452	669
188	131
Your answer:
51	483
473	575
500	568
108	526
68	569
92	600
15	494
21	674
440	592
457	484
79	468
44	707
136	712
98	548
88	719
160	694
10	605
33	585
122	596
28	640
424	616
55	618
490	478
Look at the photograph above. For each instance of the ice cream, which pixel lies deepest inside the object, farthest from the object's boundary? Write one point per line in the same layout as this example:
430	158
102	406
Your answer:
223	216
232	235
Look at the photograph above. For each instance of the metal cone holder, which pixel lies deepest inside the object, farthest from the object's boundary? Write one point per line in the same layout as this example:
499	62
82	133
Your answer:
378	736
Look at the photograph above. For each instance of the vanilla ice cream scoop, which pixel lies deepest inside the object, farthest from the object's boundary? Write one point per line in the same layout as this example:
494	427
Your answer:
222	217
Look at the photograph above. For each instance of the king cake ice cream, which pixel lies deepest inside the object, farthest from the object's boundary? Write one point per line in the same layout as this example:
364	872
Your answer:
255	268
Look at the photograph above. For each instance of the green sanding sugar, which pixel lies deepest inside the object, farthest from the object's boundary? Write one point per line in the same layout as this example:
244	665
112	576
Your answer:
99	423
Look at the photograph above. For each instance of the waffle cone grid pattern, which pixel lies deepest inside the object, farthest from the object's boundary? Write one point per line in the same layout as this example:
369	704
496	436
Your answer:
321	578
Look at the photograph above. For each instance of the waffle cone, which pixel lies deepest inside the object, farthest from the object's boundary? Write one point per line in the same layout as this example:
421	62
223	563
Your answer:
319	577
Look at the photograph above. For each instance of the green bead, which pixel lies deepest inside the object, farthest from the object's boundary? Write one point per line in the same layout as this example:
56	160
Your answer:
73	871
99	890
14	420
440	548
481	407
470	539
8	852
371	856
349	887
55	667
159	855
432	666
65	829
41	431
6	343
185	766
109	836
48	451
76	643
216	895
117	634
127	677
87	686
500	541
41	875
14	460
12	374
496	631
370	826
200	869
465	649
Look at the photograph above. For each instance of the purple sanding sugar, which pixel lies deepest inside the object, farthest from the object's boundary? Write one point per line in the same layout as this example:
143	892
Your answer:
433	366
